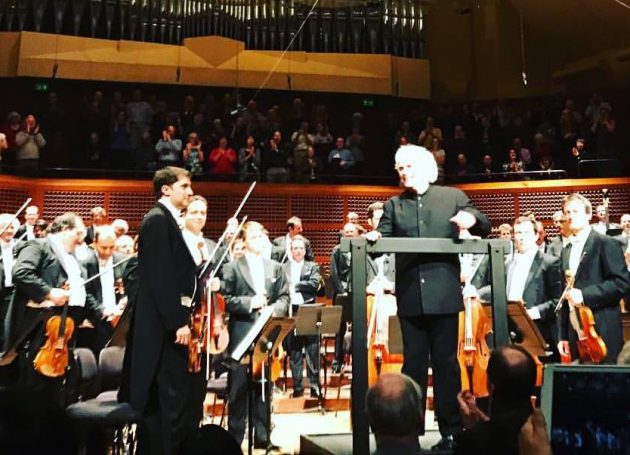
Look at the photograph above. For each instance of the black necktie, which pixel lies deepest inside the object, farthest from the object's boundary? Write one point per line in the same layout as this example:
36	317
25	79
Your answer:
566	256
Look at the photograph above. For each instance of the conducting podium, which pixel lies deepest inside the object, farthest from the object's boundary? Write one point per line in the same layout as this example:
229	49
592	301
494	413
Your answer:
258	350
359	249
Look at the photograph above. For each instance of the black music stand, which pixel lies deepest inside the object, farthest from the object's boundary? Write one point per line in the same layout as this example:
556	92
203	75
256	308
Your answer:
315	319
528	336
258	346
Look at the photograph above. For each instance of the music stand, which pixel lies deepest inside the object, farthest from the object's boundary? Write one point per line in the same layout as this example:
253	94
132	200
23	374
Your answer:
258	346
533	341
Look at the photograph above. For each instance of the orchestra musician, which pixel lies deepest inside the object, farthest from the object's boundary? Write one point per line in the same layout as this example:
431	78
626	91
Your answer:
47	276
281	248
8	245
601	278
249	284
428	286
536	279
304	279
159	380
101	259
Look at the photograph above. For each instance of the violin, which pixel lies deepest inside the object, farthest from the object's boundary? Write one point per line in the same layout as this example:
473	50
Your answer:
119	290
591	346
380	307
52	358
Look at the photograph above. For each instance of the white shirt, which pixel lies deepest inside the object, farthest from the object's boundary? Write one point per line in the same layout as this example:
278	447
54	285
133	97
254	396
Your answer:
107	285
30	235
73	270
519	269
257	271
7	261
174	211
296	272
197	246
577	242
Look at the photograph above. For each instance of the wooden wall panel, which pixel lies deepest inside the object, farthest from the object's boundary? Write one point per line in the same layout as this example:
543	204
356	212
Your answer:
323	208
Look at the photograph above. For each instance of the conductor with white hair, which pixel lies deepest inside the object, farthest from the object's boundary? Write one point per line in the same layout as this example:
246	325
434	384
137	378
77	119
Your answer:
428	285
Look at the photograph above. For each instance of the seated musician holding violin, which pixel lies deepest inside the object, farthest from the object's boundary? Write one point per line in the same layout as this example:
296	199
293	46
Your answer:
600	279
250	284
48	282
107	289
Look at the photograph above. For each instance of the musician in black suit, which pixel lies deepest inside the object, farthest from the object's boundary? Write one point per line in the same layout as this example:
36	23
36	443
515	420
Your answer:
303	279
555	246
249	284
428	289
107	288
536	279
99	218
601	278
159	381
281	246
41	271
27	230
340	279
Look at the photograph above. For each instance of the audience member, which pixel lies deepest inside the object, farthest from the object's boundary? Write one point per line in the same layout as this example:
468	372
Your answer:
249	160
511	382
394	409
168	148
356	144
120	145
276	160
428	133
193	154
340	158
223	160
514	164
29	142
301	140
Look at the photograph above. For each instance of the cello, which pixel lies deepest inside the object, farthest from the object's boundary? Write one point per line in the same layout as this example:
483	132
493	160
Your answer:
380	307
473	352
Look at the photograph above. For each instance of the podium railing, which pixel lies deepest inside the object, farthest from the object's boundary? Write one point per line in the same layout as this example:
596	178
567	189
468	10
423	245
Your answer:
359	249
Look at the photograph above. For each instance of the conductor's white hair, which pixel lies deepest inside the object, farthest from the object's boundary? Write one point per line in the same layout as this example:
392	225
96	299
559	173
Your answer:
421	157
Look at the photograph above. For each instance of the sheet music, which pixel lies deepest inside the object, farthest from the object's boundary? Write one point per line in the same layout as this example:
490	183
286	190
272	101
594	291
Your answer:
239	351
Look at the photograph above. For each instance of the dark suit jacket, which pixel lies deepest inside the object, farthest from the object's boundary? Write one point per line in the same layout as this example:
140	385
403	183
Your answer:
92	268
36	271
20	232
429	283
499	436
555	247
279	248
623	240
603	278
543	288
167	272
238	290
309	279
340	271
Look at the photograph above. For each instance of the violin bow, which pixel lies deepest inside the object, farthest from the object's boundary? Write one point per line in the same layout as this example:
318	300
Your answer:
15	216
212	275
222	238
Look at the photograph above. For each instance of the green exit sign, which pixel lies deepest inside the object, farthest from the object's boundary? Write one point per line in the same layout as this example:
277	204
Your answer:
368	102
41	86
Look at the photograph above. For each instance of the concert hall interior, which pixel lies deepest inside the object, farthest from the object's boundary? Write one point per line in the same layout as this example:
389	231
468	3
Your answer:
314	226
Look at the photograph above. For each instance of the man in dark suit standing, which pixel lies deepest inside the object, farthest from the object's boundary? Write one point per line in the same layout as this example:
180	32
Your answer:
303	285
281	246
159	381
428	286
536	279
601	278
26	231
106	288
249	284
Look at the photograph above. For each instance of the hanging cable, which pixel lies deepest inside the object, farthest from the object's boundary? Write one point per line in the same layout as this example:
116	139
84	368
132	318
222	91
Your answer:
299	30
523	61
